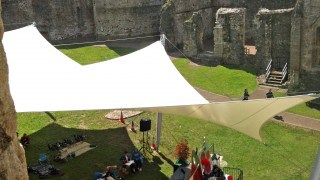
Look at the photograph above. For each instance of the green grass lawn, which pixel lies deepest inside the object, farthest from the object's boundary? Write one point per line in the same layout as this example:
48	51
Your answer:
304	109
281	158
93	54
288	152
220	79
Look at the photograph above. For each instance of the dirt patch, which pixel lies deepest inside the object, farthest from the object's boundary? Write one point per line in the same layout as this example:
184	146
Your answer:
117	113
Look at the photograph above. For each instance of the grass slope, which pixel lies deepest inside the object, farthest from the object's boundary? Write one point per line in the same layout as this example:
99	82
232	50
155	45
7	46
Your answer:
221	80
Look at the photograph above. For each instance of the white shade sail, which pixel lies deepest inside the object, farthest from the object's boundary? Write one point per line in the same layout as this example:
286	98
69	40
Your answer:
41	78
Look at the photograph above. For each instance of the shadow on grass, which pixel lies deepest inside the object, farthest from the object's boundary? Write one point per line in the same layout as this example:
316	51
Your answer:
249	69
121	51
110	145
166	159
314	104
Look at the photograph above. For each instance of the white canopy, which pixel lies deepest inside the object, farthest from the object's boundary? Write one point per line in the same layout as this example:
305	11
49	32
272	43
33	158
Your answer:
41	78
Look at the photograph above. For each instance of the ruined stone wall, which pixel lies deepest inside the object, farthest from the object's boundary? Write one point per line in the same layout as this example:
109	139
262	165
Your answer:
193	35
74	19
12	158
309	80
71	19
253	7
280	46
56	20
124	18
273	38
232	21
16	14
208	9
310	23
304	51
184	10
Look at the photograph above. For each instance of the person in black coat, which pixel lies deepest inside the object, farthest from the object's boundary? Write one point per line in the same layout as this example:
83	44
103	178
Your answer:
269	94
245	95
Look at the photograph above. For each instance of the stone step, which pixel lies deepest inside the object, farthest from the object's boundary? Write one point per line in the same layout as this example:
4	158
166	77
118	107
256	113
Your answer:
274	81
275	77
273	85
276	73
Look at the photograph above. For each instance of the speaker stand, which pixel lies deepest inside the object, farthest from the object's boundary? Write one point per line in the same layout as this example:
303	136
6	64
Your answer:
145	145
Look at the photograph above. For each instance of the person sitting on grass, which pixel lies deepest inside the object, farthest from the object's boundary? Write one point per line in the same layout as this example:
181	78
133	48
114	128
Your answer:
25	140
126	162
137	157
111	173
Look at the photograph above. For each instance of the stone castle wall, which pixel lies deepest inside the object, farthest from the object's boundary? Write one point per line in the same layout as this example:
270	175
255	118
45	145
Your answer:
122	18
56	20
232	21
273	37
207	9
305	50
72	19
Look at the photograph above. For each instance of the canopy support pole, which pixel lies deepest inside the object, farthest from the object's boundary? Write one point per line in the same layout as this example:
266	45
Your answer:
158	130
51	115
316	168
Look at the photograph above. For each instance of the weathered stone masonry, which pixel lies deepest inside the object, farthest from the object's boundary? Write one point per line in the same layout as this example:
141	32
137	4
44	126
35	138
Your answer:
305	46
12	159
76	19
122	18
273	38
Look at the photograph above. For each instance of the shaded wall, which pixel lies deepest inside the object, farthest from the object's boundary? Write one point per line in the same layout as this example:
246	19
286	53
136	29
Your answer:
56	20
273	38
208	9
124	18
305	66
72	19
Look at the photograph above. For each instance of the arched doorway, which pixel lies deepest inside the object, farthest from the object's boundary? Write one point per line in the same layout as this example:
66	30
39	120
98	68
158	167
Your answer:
317	46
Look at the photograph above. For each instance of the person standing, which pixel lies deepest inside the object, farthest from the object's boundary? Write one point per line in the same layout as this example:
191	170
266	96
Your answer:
245	95
269	94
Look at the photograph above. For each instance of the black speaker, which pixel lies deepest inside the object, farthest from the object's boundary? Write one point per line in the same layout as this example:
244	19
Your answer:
145	125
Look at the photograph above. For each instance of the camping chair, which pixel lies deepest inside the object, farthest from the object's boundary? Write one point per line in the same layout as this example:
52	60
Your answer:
43	159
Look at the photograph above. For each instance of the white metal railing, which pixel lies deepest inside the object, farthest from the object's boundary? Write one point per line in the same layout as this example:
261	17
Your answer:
284	72
268	69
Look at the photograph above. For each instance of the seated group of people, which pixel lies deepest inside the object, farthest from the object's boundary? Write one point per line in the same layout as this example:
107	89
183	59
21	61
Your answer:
211	170
129	162
132	162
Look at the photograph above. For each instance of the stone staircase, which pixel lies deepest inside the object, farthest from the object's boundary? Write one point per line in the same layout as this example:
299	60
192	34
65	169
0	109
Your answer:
275	79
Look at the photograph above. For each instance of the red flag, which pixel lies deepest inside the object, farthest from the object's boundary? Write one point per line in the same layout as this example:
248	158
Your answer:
121	118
